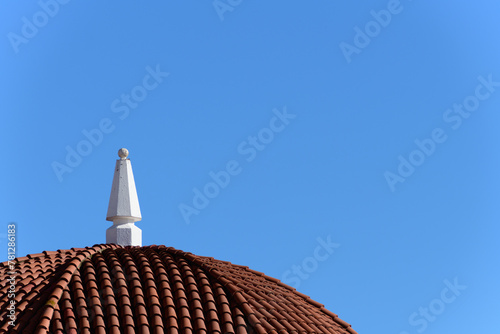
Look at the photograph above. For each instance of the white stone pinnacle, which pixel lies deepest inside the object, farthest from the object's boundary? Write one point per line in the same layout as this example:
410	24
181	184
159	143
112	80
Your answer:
123	209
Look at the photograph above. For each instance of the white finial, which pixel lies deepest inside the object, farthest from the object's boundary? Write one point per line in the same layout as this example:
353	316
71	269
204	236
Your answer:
123	153
123	209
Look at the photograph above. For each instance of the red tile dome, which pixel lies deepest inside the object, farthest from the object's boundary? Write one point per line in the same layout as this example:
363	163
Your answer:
154	289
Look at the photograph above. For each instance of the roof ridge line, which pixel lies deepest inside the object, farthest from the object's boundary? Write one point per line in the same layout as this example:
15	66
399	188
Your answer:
236	291
63	281
306	298
235	288
311	301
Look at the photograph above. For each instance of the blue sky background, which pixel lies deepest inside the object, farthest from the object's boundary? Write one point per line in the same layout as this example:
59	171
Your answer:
323	176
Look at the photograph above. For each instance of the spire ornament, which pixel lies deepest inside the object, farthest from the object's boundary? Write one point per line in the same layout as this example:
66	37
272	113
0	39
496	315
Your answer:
123	208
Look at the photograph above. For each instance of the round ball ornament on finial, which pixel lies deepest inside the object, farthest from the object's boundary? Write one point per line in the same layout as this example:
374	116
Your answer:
123	153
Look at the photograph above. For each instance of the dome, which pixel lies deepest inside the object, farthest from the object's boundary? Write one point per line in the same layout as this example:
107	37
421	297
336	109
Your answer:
153	289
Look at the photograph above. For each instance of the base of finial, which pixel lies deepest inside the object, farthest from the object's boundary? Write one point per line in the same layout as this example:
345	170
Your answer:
124	235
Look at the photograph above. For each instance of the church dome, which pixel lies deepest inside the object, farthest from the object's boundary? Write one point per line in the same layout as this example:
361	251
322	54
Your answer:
153	289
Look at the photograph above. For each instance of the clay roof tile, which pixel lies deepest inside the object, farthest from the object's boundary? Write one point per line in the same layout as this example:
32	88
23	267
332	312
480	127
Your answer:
155	289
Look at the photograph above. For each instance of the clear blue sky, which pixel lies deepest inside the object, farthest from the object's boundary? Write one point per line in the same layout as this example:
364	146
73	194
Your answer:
385	147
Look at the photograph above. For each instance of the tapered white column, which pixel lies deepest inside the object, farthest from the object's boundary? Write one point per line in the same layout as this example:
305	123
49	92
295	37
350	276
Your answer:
123	209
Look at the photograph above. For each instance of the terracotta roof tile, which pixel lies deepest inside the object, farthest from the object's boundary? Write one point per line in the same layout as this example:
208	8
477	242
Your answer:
154	289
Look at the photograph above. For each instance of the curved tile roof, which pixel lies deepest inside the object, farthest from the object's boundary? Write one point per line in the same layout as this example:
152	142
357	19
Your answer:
154	289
